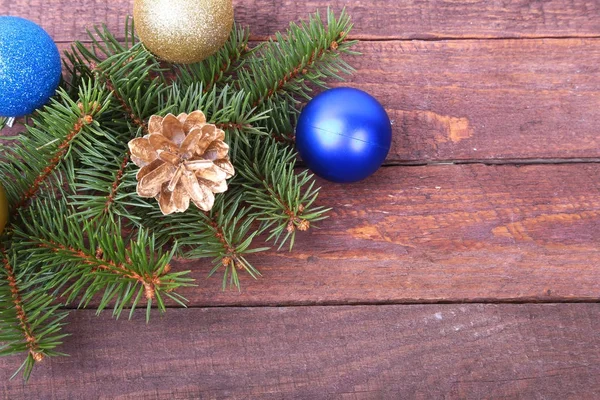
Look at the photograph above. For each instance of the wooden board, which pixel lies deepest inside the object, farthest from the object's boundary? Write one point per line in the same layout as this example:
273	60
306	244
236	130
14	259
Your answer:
500	101
362	352
486	100
450	101
381	19
436	233
418	234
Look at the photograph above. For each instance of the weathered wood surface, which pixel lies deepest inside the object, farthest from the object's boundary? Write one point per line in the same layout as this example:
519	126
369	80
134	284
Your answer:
451	233
500	100
380	19
473	99
437	233
361	352
493	101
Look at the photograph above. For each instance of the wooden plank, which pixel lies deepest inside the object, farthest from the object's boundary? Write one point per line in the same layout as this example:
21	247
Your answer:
500	100
417	352
436	233
67	20
490	99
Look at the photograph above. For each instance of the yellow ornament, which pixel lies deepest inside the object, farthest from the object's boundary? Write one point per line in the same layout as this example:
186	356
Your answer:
183	31
3	209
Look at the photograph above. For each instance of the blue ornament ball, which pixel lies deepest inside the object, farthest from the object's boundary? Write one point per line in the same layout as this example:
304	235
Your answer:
30	67
344	135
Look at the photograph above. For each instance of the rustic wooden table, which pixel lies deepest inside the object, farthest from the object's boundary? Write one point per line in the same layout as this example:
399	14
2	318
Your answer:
468	267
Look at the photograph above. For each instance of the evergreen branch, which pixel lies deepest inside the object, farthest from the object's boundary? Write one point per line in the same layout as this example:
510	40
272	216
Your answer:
46	144
30	321
132	74
283	119
61	150
225	234
220	67
125	107
103	45
126	75
31	342
281	197
309	52
84	260
106	192
117	182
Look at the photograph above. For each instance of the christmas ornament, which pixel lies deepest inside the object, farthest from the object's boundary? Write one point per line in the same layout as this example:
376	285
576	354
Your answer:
3	209
343	135
30	67
182	158
183	31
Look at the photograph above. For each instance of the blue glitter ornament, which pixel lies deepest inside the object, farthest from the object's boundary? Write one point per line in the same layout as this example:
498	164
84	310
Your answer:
343	135
30	67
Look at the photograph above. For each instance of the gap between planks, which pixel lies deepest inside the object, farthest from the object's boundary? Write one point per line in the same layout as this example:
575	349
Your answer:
482	161
400	39
407	302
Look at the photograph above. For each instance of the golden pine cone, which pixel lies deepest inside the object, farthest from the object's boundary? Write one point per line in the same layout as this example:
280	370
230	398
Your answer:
181	159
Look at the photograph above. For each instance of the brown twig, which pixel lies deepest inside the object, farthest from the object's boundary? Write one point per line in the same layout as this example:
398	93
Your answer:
32	343
118	177
301	68
62	149
150	282
225	66
128	110
232	125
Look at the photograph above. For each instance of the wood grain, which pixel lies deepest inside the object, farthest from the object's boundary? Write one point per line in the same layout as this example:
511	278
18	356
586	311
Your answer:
436	233
444	233
500	100
408	352
380	19
504	101
473	99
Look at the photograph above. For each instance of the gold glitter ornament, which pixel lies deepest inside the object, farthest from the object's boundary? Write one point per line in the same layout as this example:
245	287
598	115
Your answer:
183	31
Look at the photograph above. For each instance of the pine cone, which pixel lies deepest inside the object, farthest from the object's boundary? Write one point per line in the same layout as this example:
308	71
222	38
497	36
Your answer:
181	159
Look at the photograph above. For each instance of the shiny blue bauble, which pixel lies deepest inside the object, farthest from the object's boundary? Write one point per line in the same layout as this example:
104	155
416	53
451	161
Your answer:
344	135
30	67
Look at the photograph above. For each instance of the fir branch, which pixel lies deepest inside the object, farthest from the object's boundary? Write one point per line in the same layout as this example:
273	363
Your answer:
125	107
283	119
30	321
310	52
116	183
281	197
220	67
101	181
225	234
31	342
84	259
127	76
103	45
48	142
61	150
132	74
